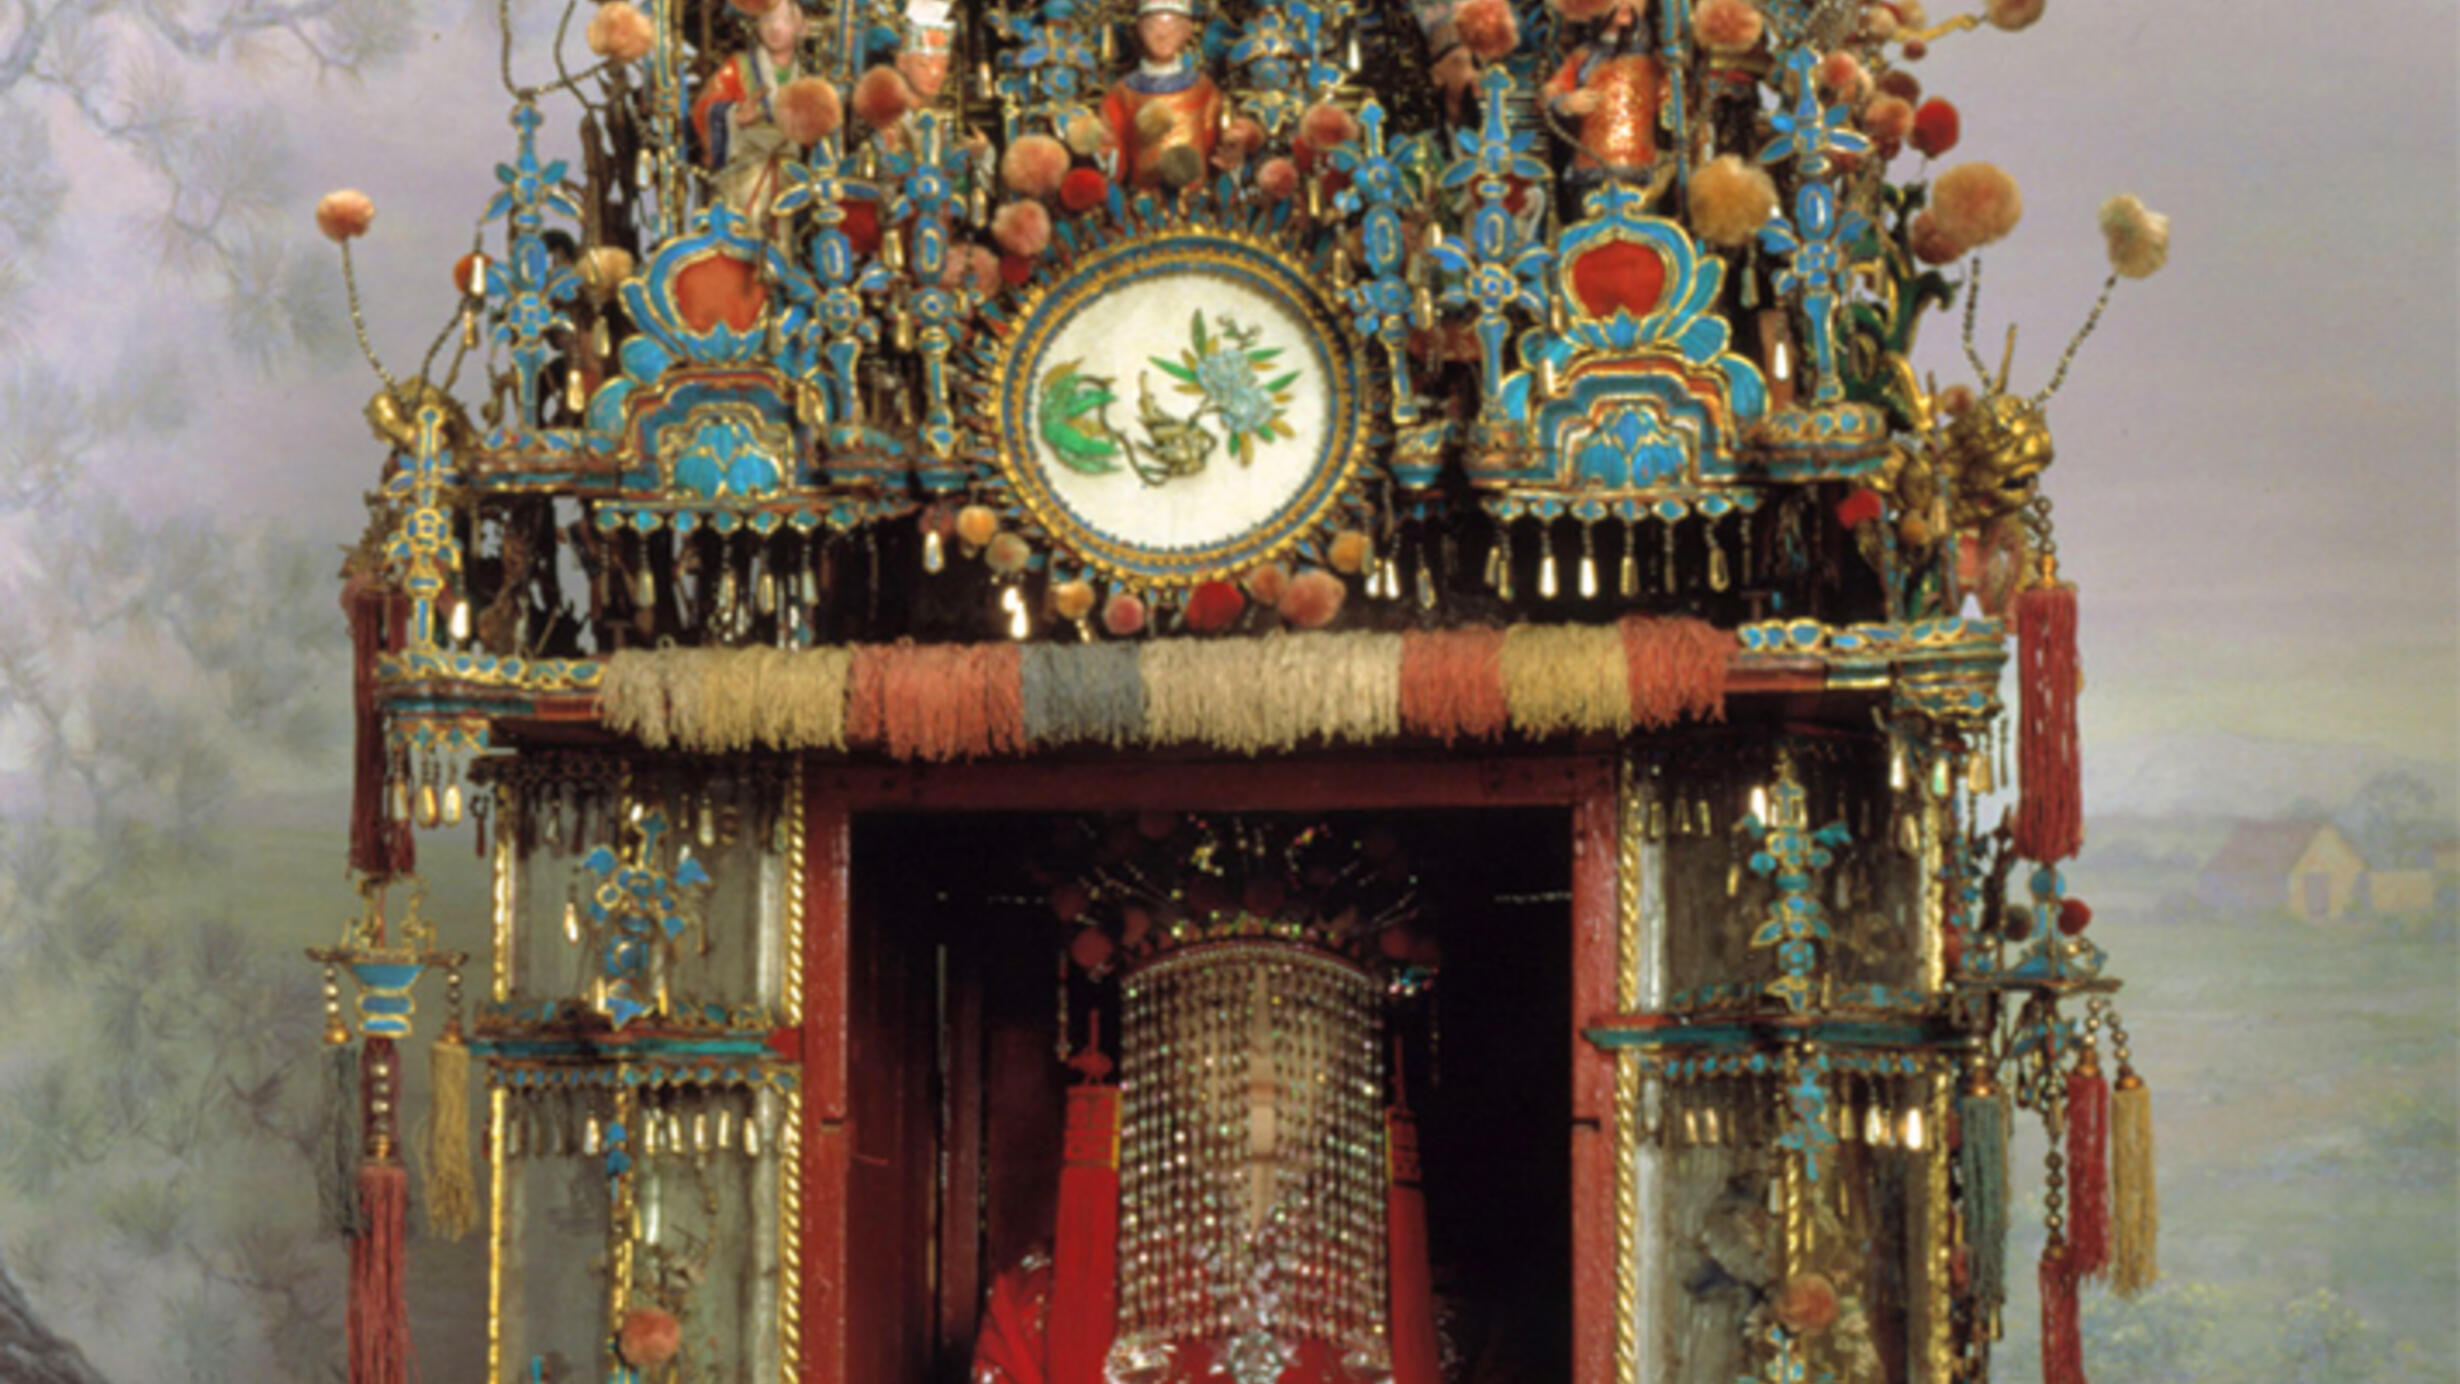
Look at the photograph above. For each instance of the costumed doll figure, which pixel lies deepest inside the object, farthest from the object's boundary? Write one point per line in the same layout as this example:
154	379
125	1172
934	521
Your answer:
1167	105
736	121
1609	92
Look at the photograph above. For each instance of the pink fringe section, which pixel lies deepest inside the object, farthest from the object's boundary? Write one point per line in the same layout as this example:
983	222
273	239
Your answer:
1678	669
1452	684
938	702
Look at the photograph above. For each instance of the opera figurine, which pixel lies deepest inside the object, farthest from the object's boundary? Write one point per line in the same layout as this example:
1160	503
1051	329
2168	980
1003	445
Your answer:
735	117
1168	104
1609	94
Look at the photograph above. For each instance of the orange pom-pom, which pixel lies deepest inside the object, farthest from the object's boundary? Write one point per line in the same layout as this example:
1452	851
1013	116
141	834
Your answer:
1843	73
1327	126
1806	1305
1490	29
1728	26
620	33
2139	237
1731	200
1023	229
977	525
1350	551
1267	582
2012	15
1976	204
1936	127
1312	599
345	215
1072	600
1034	166
648	1337
1083	189
1955	400
1930	244
1277	179
807	110
1888	120
882	97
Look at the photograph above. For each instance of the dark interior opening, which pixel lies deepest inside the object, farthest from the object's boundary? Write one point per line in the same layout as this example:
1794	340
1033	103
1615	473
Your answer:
958	1092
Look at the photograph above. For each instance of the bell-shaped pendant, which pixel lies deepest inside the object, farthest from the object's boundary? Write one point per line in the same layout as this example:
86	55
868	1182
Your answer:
601	338
576	389
1627	572
764	597
1977	771
1588	563
1503	567
397	800
1494	565
572	921
1718	577
1546	571
1670	579
457	625
430	808
469	327
452	803
934	552
645	588
1020	621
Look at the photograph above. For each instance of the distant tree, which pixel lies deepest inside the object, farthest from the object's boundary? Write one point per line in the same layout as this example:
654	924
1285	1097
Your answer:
2397	817
2323	1340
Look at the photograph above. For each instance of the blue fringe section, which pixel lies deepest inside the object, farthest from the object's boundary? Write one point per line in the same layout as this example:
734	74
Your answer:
1083	693
1982	1167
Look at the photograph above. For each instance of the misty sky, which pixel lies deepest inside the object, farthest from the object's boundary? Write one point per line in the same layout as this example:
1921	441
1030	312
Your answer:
2256	477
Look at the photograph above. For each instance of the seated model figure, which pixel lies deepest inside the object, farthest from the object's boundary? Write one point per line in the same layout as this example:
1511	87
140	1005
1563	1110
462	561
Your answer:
1166	115
1242	1204
1610	90
734	121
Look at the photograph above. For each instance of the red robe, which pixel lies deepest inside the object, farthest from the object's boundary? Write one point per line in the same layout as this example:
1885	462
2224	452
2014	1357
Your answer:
1195	118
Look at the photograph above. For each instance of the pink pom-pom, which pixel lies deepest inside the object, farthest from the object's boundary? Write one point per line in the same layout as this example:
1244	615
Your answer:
1888	120
977	525
1239	138
1956	400
345	215
1731	200
1728	26
1124	616
1489	28
1930	244
1312	599
1976	204
1843	73
2012	15
1327	126
2139	237
1022	229
807	110
620	33
882	97
1007	553
1277	179
1034	166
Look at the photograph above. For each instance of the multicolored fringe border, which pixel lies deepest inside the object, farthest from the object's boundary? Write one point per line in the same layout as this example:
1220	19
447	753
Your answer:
939	702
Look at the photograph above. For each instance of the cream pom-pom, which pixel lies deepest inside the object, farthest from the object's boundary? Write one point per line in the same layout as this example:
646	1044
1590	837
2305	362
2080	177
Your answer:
807	110
1975	204
1327	126
1888	120
1731	200
1086	135
345	214
620	33
1728	26
2013	15
1023	229
1277	179
2139	237
1033	166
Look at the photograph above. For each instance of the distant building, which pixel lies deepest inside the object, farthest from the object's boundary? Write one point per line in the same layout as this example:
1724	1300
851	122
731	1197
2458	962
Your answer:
2306	867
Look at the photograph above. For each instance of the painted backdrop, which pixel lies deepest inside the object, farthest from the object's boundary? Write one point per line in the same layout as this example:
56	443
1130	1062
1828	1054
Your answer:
2255	490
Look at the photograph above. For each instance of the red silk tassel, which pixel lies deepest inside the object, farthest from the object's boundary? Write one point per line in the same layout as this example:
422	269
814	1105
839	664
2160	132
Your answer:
379	1312
2062	1336
1412	1295
1085	1253
2050	798
2088	1169
380	847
